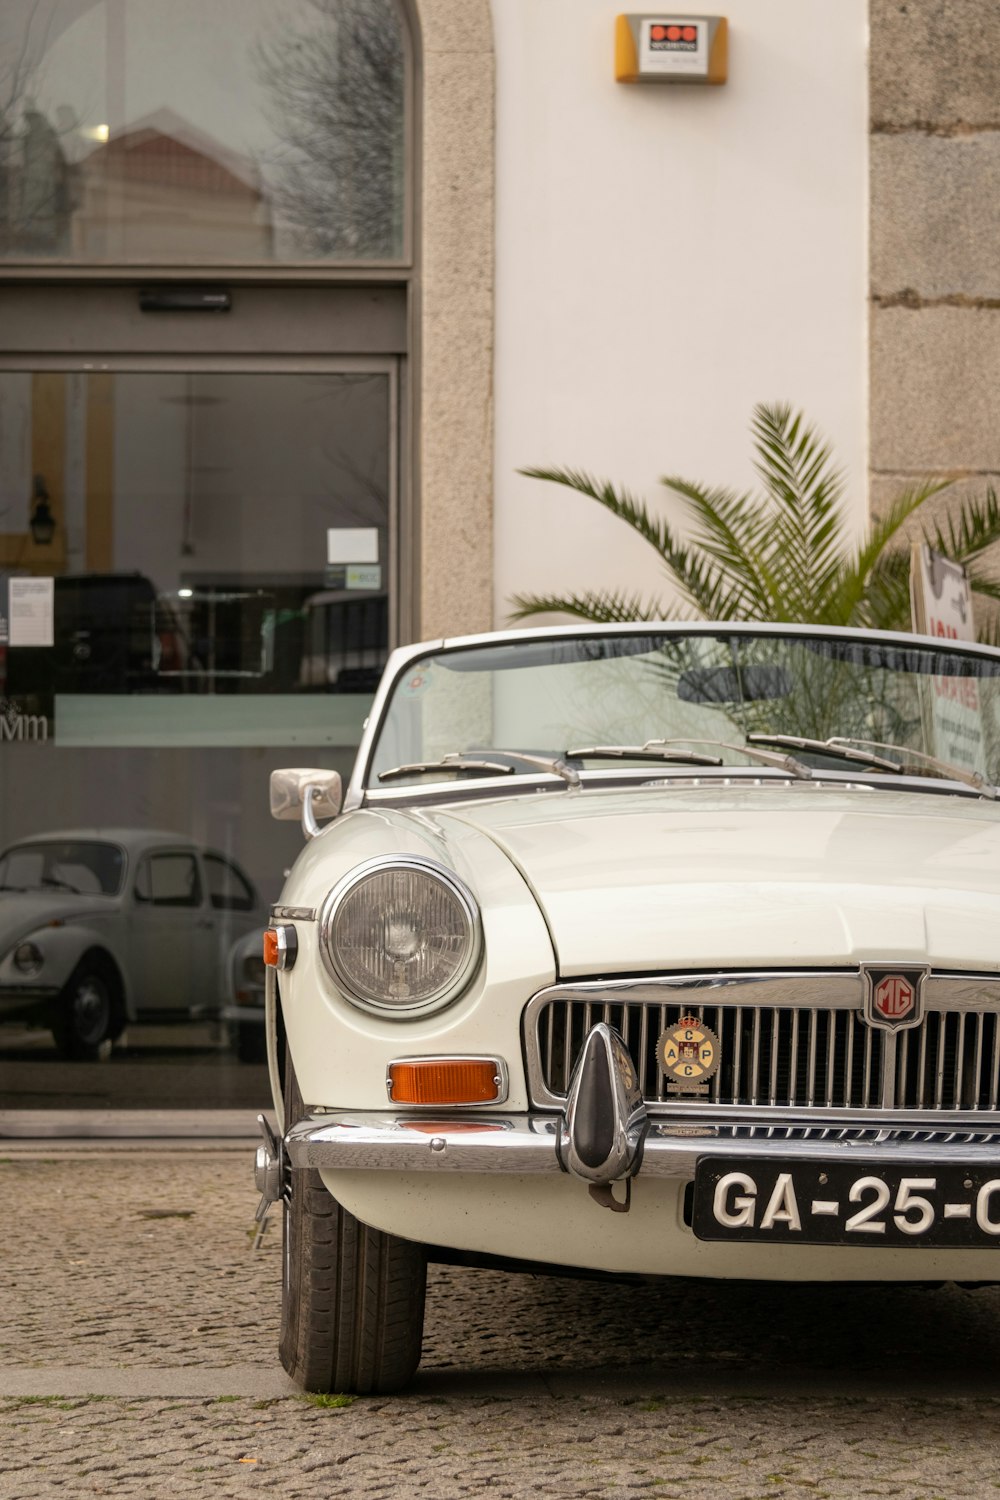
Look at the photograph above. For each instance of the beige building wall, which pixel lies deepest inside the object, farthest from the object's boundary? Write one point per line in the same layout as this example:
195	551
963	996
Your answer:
666	258
934	321
935	229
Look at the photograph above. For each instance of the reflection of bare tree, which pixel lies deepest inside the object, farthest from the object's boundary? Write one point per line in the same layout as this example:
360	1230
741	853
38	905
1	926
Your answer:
15	74
337	105
35	176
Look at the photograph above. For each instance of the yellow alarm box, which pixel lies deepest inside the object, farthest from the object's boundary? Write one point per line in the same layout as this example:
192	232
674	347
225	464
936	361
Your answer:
671	49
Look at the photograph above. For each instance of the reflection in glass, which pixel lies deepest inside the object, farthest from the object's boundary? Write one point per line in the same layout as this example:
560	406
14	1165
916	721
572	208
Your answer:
84	867
197	624
167	131
97	935
191	516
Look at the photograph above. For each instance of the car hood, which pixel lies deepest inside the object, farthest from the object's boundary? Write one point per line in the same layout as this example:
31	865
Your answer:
668	878
24	912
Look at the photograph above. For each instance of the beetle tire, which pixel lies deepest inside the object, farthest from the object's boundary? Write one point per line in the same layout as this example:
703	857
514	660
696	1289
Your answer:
352	1297
90	1014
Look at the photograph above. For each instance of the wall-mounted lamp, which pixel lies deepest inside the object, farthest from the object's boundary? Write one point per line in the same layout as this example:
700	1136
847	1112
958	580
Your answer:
43	523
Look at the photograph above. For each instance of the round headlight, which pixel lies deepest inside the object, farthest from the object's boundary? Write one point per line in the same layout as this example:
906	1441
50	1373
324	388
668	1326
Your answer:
27	958
401	935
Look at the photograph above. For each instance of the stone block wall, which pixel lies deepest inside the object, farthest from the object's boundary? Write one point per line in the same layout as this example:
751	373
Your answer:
935	245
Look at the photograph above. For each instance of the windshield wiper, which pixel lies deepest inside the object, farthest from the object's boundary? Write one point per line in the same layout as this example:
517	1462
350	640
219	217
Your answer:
652	750
946	767
480	766
664	750
826	747
842	746
658	750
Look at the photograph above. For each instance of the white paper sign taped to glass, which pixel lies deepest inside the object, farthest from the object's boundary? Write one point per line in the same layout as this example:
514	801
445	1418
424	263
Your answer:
351	544
31	607
671	48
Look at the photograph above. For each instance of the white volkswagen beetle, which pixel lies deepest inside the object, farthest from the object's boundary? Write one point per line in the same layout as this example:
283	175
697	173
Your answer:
103	926
658	949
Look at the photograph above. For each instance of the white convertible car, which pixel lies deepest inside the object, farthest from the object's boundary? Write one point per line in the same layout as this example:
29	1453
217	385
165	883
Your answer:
649	949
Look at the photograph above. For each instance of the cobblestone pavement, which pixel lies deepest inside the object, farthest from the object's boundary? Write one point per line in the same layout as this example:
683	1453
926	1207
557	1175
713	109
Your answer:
504	1447
145	1323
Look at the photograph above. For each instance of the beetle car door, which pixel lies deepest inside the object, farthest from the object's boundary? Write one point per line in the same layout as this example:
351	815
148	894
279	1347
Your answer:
236	908
171	934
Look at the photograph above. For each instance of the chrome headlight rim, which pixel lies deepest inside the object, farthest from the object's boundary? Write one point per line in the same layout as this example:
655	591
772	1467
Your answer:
463	975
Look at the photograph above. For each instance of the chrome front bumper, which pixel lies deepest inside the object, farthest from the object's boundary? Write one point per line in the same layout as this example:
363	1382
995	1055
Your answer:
17	1000
604	1136
527	1144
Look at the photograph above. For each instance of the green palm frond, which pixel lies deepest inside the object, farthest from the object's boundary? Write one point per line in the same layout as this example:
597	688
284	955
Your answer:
868	588
728	556
797	471
627	507
883	600
989	588
787	553
605	608
967	536
988	633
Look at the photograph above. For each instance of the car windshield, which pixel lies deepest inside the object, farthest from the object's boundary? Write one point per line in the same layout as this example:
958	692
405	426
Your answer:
84	867
593	702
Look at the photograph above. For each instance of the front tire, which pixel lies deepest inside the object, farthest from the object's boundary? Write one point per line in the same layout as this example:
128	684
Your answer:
89	1015
352	1297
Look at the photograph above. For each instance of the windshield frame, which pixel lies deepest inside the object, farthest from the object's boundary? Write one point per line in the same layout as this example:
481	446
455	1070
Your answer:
361	791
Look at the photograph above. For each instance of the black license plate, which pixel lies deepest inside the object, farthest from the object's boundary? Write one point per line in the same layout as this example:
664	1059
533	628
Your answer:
846	1203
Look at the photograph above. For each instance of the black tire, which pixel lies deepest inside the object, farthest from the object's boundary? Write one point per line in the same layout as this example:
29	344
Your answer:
352	1298
90	1014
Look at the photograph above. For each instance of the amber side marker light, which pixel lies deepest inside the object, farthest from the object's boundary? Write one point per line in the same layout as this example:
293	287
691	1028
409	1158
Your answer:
280	947
451	1080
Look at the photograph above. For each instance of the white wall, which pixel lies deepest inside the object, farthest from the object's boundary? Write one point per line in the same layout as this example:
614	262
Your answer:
667	257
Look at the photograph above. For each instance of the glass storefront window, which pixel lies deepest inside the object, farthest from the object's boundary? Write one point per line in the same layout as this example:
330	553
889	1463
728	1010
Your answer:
183	132
207	595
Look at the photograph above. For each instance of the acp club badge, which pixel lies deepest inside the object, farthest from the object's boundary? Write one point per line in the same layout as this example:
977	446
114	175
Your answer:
689	1056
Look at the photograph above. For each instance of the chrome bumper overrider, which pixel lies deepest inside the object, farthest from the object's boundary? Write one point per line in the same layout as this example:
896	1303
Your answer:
604	1136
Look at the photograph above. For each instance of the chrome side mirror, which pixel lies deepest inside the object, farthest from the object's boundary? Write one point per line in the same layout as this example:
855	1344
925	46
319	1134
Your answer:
306	795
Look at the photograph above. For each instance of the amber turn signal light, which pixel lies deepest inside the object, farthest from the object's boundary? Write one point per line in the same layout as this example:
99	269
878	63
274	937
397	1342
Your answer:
280	947
446	1080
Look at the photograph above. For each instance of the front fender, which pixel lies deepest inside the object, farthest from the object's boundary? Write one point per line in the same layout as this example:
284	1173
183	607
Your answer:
341	1053
62	945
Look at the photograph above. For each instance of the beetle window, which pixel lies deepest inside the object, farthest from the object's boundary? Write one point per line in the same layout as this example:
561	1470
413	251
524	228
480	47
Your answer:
169	880
227	888
81	867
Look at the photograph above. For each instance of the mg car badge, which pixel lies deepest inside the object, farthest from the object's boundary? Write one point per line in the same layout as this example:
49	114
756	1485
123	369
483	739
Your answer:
893	996
689	1055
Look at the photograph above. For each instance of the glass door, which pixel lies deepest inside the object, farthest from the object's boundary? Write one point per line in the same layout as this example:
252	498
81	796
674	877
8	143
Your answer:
198	580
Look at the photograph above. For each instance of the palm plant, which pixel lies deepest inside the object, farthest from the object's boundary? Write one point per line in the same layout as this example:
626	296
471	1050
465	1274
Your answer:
785	554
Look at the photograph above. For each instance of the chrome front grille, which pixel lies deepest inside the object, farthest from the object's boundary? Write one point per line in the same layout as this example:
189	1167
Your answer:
812	1052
